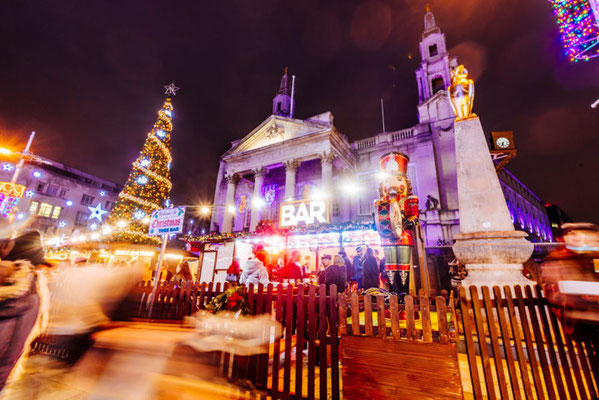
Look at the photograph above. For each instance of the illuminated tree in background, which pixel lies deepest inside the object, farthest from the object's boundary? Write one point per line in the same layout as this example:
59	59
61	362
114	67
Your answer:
578	22
148	186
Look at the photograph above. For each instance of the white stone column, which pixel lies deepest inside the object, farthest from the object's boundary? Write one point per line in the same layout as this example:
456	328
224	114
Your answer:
232	180
257	200
291	167
326	162
487	244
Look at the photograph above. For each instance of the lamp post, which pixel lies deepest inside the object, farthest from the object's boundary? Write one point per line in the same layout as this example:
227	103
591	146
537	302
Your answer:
11	191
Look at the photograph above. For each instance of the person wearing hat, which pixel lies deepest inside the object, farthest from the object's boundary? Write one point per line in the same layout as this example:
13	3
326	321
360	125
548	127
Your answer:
334	273
356	273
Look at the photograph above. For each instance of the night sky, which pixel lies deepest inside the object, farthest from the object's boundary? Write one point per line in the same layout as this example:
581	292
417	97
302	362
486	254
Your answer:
88	77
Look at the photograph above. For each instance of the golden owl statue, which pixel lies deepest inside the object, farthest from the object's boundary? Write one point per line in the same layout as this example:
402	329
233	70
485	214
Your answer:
461	93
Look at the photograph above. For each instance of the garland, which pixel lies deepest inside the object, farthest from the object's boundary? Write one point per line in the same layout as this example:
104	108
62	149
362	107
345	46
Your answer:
232	299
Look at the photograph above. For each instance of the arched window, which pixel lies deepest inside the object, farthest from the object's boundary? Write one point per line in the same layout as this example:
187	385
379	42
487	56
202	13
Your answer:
437	84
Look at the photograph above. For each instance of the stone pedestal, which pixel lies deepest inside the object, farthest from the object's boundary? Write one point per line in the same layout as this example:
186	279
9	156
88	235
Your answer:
492	250
493	258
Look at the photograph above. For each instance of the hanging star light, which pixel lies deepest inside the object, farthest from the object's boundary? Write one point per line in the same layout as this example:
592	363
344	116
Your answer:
97	212
171	90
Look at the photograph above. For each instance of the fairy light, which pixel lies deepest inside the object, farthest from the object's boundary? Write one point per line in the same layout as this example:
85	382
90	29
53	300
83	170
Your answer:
579	28
148	184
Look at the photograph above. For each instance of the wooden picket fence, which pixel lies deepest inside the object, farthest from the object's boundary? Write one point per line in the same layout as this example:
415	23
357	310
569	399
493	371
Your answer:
517	347
303	363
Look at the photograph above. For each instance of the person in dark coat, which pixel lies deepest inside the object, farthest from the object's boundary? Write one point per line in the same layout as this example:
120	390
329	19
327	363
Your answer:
334	274
347	263
370	270
356	273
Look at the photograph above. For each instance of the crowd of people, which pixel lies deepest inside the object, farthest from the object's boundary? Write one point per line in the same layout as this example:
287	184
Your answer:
365	270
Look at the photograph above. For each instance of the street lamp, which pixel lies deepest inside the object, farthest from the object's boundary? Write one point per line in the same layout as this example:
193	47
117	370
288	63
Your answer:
595	104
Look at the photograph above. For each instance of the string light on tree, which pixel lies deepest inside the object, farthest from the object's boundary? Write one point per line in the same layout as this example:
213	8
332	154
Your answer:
148	184
578	22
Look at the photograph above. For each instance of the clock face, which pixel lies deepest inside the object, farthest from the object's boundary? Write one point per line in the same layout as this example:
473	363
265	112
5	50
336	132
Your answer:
502	143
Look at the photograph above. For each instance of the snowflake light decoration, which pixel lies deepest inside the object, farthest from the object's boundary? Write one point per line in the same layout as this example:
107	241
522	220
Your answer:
139	214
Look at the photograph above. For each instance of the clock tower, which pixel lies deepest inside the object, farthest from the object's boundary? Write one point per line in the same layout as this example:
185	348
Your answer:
435	112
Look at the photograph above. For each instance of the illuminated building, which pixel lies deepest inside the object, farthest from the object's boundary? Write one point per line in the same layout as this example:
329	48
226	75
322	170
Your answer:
289	159
58	197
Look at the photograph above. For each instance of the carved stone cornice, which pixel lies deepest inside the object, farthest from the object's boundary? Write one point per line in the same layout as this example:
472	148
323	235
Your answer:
291	165
261	171
232	178
327	158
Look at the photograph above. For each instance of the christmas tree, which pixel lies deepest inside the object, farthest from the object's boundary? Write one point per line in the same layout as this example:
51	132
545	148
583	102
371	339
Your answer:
148	186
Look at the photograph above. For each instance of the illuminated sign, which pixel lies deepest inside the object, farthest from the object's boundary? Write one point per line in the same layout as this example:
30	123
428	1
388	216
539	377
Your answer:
304	212
167	221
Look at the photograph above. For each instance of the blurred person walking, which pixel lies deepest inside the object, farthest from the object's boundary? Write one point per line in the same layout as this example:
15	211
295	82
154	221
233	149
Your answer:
570	277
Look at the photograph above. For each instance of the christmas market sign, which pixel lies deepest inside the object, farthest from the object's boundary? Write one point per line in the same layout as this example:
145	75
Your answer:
167	221
304	212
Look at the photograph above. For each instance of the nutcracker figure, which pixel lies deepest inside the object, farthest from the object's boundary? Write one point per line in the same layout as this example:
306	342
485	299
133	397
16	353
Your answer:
396	216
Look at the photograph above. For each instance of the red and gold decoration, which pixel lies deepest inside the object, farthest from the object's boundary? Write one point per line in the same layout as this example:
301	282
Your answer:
10	194
232	299
396	216
148	187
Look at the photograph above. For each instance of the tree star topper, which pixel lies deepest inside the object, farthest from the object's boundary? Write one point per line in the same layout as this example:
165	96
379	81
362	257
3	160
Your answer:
171	89
97	212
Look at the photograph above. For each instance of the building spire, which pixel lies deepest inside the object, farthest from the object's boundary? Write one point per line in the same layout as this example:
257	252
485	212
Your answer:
284	87
281	104
429	21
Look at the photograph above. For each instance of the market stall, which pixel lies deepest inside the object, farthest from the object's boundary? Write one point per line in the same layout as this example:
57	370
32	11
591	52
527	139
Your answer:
121	254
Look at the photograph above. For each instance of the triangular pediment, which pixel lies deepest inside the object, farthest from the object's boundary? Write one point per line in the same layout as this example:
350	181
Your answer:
276	129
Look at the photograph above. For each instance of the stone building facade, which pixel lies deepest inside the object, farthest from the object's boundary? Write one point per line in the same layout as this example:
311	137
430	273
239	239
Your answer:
58	197
285	159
